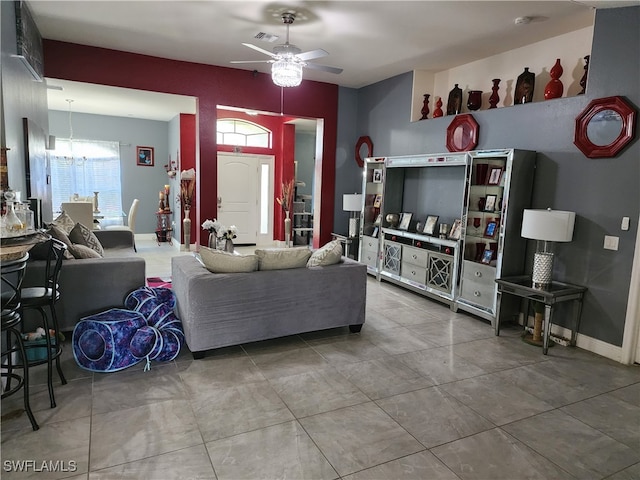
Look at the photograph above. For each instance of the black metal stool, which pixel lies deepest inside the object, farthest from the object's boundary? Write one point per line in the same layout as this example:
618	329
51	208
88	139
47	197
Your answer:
12	275
46	296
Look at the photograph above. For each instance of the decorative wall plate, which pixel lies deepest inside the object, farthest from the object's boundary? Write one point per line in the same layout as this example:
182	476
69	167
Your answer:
462	133
605	127
363	141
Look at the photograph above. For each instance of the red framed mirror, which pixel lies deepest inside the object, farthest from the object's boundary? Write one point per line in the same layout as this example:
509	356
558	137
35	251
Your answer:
361	153
462	133
605	127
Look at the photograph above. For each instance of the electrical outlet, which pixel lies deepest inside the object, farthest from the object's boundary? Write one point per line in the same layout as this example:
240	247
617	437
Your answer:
625	224
611	243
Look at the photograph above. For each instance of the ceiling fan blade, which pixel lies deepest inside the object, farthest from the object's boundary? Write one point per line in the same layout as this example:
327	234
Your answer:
251	61
258	49
311	54
324	68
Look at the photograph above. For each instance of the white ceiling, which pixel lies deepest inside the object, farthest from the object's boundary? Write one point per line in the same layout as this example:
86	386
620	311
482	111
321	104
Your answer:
370	40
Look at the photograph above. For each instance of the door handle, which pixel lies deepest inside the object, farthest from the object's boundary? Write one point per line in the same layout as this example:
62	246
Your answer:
219	202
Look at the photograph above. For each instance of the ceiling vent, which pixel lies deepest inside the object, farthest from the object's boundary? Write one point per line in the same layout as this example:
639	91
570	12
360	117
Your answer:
267	37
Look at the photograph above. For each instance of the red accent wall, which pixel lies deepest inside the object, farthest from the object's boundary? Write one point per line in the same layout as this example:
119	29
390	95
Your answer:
213	86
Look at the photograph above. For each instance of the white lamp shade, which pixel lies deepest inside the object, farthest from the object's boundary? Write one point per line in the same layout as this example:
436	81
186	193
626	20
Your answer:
548	225
352	202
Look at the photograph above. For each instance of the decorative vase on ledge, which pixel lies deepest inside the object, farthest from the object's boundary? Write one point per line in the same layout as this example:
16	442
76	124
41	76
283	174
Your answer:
186	230
287	229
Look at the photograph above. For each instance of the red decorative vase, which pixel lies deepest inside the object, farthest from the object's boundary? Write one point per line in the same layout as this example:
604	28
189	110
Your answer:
438	111
425	107
494	98
475	100
554	88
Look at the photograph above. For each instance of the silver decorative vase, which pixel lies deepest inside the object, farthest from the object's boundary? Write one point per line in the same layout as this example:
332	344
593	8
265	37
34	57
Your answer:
287	229
186	230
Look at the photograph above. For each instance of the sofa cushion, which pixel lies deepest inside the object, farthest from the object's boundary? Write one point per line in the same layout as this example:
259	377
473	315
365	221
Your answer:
217	261
282	258
82	235
64	222
59	234
82	251
329	254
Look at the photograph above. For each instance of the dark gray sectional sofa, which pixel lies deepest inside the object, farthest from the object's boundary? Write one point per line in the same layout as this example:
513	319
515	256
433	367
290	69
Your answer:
92	285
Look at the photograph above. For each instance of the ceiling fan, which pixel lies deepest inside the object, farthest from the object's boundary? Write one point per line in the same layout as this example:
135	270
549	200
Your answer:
288	60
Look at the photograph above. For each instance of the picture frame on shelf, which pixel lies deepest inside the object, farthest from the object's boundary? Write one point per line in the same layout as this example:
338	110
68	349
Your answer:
487	256
374	234
378	220
144	156
377	201
430	225
377	175
495	175
405	221
456	230
490	203
491	229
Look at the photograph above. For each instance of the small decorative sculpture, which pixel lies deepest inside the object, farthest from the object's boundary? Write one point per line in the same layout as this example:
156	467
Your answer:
554	88
454	105
583	80
524	87
494	98
425	107
438	111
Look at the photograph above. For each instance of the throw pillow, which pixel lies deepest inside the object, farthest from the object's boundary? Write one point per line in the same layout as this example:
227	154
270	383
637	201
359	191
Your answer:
82	251
283	258
84	236
59	234
64	222
329	254
217	261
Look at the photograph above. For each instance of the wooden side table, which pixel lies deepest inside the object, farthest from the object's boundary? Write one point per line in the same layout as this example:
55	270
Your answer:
558	292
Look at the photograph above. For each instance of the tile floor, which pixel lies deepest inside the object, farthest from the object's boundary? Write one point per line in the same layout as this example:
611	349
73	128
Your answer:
420	393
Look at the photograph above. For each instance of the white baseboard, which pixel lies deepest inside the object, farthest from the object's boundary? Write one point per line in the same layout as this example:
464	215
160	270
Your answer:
587	343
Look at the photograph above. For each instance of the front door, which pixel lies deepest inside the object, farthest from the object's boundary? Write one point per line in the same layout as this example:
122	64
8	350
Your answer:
243	195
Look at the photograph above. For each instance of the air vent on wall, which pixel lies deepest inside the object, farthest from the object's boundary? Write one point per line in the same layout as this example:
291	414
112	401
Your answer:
266	37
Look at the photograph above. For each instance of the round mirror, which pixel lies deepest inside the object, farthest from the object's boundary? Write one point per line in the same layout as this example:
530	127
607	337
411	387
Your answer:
462	134
605	127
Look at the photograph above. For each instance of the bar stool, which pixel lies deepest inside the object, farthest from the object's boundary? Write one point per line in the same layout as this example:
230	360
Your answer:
46	296
12	275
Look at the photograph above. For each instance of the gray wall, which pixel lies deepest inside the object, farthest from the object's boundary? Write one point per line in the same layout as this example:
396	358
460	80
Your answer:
348	174
142	183
600	191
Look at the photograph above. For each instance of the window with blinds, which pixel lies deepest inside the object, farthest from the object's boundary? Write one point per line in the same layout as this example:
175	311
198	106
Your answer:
84	167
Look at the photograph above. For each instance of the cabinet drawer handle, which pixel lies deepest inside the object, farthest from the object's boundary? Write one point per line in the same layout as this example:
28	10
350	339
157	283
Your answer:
478	274
413	272
414	256
476	293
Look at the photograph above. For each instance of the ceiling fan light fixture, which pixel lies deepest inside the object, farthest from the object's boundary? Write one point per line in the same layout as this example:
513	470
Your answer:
286	72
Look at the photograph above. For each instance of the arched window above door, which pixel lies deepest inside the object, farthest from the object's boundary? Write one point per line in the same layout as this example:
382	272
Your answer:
233	131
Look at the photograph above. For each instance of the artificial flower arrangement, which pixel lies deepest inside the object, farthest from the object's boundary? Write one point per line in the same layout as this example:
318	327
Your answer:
219	230
287	195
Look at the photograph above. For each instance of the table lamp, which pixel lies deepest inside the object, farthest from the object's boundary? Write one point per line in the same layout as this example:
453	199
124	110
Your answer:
546	226
352	202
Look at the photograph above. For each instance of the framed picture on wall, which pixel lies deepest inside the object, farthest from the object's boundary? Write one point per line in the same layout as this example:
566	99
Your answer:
144	156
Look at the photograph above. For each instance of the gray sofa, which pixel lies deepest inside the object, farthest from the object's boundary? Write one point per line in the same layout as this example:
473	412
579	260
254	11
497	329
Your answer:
223	309
91	285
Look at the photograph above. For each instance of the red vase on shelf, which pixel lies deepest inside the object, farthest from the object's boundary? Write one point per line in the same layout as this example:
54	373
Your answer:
438	111
554	88
425	107
475	100
494	98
